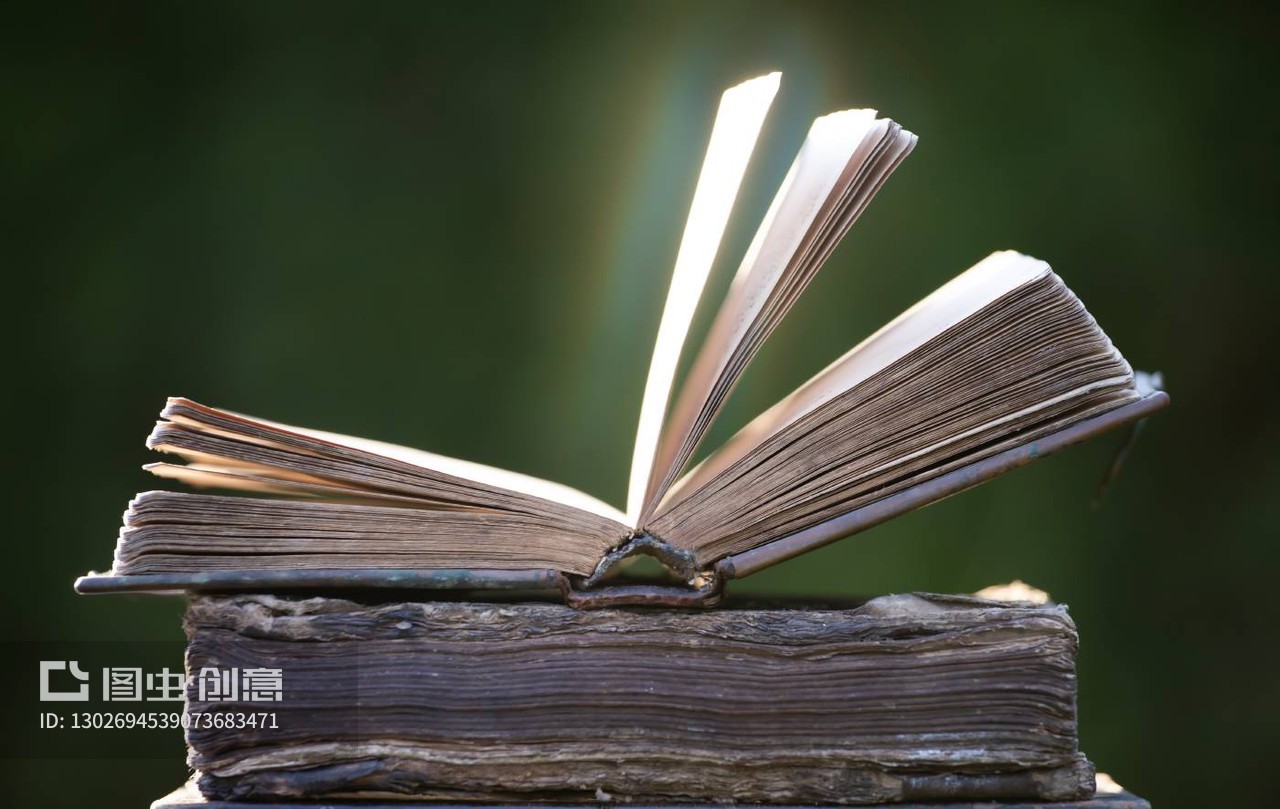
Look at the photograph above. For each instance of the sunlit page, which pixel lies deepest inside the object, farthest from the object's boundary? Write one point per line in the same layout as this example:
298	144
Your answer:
488	476
468	470
805	197
733	137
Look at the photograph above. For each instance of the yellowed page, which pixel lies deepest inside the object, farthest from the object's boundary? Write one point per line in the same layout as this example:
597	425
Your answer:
488	476
967	293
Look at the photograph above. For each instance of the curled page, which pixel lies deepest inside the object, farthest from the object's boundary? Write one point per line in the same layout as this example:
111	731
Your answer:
733	137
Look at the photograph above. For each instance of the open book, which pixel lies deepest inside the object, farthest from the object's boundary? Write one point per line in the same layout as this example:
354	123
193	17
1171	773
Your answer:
998	366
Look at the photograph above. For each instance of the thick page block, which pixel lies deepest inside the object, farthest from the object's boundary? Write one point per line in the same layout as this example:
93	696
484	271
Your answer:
903	698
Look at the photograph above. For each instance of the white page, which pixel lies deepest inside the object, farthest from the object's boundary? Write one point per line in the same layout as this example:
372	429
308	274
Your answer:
733	138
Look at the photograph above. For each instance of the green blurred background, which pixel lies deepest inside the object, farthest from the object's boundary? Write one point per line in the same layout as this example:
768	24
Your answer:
452	226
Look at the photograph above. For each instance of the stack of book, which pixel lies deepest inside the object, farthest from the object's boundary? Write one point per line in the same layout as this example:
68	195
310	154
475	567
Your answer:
442	630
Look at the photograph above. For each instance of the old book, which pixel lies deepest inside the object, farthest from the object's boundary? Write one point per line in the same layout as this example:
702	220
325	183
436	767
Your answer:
901	699
1000	365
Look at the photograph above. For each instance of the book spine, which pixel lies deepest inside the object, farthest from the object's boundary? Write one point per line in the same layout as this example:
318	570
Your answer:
700	588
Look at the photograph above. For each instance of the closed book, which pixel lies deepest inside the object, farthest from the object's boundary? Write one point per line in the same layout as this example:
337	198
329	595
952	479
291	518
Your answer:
902	698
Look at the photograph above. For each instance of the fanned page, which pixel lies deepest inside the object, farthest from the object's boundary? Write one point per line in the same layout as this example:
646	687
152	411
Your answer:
1002	354
844	160
351	503
733	138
